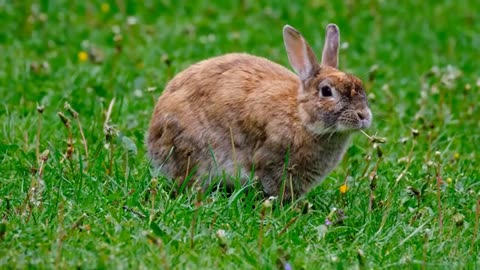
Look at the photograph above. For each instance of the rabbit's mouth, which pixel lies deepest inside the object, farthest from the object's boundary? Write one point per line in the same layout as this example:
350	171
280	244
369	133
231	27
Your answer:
346	121
354	120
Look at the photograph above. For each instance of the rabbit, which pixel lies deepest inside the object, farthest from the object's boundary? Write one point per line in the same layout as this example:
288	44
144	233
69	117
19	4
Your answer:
239	115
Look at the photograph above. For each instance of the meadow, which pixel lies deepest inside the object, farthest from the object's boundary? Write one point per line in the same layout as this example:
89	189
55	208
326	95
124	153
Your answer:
78	83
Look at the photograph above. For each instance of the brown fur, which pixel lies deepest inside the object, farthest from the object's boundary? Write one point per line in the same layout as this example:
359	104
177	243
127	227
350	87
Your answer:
251	113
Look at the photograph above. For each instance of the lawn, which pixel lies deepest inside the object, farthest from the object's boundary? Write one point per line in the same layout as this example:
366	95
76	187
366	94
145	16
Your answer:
90	71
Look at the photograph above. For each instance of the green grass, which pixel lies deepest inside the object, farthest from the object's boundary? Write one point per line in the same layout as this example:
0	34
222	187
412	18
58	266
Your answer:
419	61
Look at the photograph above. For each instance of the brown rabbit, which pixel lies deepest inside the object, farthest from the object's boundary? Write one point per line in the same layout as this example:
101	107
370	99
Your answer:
239	114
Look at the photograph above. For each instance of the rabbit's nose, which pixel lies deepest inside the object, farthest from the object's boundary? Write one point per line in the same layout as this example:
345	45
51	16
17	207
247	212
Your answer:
361	115
365	118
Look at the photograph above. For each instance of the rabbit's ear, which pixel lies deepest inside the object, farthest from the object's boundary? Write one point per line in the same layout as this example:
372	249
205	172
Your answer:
330	49
300	55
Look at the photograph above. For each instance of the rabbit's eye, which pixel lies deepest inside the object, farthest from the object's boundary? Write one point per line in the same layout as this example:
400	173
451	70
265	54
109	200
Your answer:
326	91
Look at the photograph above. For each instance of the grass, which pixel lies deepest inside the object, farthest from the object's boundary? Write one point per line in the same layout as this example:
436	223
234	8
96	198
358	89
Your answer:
412	202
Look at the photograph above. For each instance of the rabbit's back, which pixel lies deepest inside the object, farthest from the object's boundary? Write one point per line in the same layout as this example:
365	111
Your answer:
214	115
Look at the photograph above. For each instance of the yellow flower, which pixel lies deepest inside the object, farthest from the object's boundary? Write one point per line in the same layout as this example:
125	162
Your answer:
456	155
343	189
449	180
82	56
105	7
